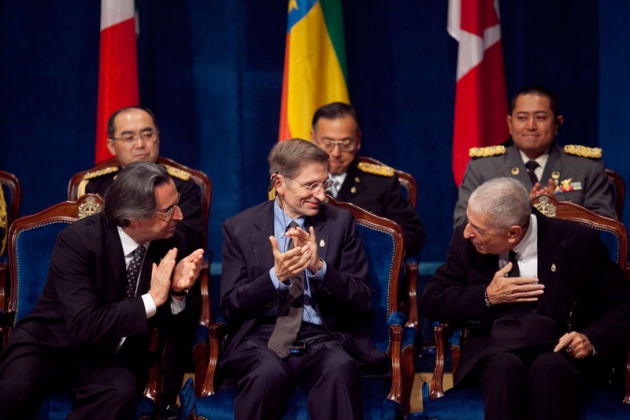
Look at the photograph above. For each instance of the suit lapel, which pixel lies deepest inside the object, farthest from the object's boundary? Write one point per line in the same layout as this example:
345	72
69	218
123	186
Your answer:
551	265
260	237
515	168
352	184
553	168
115	261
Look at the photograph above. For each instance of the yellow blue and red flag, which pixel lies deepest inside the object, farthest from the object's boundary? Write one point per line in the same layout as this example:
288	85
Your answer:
314	64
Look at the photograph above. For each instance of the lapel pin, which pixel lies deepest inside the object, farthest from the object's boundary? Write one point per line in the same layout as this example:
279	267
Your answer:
357	179
353	190
515	170
553	268
322	243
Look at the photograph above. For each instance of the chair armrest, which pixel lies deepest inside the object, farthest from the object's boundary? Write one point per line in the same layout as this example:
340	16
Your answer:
441	332
154	384
216	333
412	280
402	353
204	284
626	398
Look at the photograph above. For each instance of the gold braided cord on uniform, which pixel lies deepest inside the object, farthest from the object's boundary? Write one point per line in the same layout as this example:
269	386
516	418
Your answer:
372	168
4	221
583	151
477	152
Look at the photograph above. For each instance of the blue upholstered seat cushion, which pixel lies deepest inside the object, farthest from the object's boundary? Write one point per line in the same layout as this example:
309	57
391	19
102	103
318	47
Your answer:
467	404
220	406
58	406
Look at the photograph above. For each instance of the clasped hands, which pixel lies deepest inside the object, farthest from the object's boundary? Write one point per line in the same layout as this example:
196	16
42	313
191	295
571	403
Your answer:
504	289
296	260
169	275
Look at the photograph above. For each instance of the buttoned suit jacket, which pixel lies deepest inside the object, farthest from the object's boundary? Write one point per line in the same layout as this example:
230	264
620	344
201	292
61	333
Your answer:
595	194
582	286
83	309
381	195
343	298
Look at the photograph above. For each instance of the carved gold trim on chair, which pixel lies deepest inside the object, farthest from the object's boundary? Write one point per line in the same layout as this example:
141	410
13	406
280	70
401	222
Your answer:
89	207
545	207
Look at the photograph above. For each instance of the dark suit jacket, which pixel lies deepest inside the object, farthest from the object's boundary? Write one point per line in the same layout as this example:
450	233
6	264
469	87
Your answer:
381	195
83	309
573	265
190	204
343	298
595	194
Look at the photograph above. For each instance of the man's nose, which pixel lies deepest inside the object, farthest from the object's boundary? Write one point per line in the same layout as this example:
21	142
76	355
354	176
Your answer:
468	233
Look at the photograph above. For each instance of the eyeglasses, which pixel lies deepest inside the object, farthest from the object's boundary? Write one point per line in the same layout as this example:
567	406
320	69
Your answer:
148	136
314	186
346	145
169	212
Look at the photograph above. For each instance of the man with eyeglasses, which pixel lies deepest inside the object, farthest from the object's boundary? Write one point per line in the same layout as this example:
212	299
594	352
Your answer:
113	277
372	187
133	136
293	273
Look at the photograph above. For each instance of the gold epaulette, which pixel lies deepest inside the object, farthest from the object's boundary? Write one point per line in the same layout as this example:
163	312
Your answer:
477	152
583	151
372	168
101	172
177	173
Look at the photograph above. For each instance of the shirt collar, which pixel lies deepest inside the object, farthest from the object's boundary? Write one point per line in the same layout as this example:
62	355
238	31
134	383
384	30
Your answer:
540	160
528	245
128	244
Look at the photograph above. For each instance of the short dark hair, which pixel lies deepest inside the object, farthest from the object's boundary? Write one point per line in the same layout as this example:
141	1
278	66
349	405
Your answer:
336	110
132	194
287	158
538	90
111	126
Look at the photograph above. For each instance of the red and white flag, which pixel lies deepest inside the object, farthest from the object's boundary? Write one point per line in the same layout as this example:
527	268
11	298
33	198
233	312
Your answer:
118	67
480	99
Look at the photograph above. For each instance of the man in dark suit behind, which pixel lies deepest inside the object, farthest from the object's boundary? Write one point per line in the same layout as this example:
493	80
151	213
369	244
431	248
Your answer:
89	330
547	310
260	272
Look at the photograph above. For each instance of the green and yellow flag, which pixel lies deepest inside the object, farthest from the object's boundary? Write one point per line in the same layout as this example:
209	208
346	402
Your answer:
314	64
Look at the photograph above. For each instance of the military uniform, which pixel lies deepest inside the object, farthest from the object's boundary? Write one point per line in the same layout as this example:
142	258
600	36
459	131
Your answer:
578	172
376	189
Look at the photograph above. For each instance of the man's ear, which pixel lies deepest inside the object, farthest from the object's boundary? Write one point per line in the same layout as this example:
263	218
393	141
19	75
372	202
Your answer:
514	233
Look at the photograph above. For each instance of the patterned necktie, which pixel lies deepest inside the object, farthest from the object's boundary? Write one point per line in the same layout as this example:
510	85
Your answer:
289	314
133	269
531	166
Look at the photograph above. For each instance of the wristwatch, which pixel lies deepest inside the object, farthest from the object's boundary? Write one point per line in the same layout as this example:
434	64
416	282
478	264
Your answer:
181	293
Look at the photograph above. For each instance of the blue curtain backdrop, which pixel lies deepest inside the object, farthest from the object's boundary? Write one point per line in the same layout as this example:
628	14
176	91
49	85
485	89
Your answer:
212	73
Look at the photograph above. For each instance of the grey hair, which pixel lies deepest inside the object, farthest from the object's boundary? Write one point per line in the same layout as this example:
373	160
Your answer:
289	157
132	195
504	201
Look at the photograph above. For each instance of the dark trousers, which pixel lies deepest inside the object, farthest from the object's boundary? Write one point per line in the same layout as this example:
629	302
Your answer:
30	372
539	387
325	371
